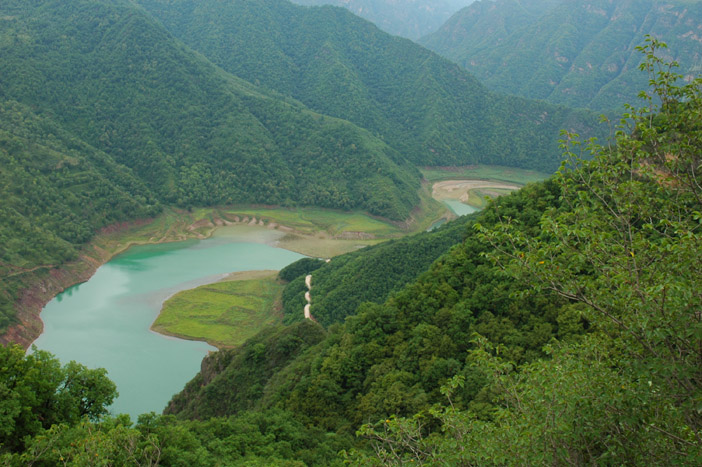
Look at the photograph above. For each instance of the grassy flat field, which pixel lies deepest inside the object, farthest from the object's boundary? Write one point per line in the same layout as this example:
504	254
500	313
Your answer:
226	313
484	172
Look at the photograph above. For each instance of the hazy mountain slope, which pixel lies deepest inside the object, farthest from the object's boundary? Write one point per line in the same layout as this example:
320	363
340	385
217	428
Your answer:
576	53
425	107
483	25
407	18
194	134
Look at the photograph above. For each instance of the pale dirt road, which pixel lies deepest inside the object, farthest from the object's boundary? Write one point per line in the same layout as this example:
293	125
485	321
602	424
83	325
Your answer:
308	297
460	189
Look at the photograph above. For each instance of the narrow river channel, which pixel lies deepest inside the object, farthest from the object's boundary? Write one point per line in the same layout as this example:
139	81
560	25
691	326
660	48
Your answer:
105	322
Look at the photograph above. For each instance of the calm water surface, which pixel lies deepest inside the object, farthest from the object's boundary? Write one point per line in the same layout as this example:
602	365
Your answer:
105	321
460	209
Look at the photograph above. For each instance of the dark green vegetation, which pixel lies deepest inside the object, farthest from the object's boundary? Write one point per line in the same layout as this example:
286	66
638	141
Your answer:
563	329
110	75
427	108
38	393
575	53
409	18
56	191
368	275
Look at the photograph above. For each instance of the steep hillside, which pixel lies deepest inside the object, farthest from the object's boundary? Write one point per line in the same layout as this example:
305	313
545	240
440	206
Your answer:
428	109
575	53
368	275
567	318
409	18
195	135
56	191
392	358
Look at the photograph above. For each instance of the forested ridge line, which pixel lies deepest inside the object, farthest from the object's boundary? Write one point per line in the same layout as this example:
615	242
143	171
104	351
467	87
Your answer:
106	118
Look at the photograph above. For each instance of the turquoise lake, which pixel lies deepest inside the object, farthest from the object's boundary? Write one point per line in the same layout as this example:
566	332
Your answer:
105	321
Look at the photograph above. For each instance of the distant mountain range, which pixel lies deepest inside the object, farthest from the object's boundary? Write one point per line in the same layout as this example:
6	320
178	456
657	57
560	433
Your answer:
407	18
575	53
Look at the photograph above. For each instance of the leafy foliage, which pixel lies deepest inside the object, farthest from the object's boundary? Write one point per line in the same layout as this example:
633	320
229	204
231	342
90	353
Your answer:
627	248
38	393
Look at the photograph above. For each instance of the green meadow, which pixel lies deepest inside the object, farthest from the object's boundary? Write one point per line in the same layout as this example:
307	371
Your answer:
225	314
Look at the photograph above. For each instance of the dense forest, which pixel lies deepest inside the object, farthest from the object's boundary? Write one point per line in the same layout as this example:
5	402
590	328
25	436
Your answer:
575	53
369	275
560	325
427	108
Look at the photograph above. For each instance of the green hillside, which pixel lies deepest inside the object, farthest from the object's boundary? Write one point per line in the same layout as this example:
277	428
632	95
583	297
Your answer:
106	117
368	275
195	135
426	108
56	191
574	53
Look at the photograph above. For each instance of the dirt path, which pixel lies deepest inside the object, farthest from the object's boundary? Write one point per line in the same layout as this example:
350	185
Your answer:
308	297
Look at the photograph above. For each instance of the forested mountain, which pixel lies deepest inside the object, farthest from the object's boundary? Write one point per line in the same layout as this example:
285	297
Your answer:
56	191
115	78
575	290
368	275
428	109
105	117
575	53
407	18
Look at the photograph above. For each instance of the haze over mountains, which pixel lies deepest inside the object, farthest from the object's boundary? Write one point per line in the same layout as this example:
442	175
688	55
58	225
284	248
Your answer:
407	18
428	109
575	53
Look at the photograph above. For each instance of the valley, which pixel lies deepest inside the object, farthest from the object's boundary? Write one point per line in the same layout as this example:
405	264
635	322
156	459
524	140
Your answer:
254	232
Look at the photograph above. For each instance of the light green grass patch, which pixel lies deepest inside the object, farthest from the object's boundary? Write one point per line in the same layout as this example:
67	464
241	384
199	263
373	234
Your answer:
225	314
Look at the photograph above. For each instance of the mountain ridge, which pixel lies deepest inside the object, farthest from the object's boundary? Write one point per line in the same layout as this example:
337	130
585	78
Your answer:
579	54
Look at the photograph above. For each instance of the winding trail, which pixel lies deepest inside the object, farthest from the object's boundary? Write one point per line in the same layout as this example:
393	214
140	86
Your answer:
308	297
